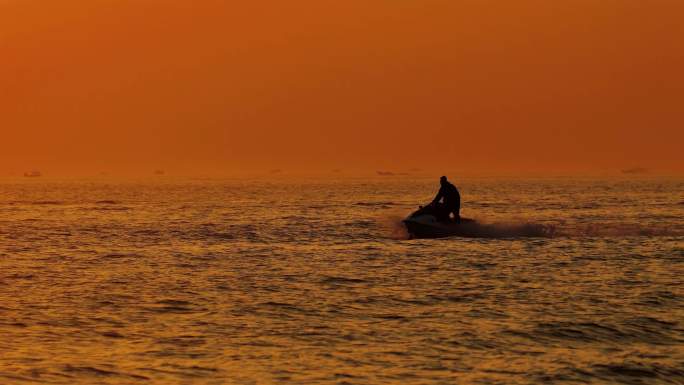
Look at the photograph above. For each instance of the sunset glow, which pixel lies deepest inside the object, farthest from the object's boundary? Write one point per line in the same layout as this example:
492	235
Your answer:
326	192
314	85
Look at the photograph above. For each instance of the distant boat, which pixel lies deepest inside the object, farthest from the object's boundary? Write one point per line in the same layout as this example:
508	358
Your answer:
276	171
159	172
386	173
390	173
33	174
635	170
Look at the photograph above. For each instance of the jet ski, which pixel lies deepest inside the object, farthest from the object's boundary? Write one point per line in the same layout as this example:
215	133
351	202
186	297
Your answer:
430	222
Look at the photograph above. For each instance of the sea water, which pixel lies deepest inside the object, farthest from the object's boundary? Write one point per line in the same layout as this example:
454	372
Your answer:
308	281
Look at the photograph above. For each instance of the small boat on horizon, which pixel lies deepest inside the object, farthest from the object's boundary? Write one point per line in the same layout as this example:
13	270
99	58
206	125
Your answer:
33	174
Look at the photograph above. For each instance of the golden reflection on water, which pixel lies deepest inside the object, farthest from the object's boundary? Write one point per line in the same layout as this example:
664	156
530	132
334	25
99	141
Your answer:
213	282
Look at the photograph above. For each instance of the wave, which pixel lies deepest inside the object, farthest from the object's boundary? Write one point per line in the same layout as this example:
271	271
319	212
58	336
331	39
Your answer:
617	229
106	202
392	226
38	203
60	203
527	229
376	204
511	229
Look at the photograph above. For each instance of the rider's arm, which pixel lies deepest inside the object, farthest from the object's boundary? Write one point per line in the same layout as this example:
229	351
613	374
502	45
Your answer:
439	196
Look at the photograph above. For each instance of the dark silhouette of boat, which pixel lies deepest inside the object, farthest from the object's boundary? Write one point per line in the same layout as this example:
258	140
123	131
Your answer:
423	223
385	173
635	171
390	173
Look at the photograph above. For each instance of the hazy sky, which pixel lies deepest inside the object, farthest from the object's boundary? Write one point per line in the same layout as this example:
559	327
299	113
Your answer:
225	86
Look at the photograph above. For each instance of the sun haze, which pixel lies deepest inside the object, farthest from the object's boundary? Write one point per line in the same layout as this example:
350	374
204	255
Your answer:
315	85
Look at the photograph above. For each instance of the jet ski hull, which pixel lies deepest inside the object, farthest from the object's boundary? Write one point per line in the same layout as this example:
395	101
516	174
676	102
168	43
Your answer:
426	226
432	221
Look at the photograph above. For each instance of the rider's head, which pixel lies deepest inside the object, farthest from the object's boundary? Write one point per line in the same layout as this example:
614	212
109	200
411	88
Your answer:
442	180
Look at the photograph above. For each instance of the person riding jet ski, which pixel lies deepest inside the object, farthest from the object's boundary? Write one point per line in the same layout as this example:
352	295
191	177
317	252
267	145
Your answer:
451	201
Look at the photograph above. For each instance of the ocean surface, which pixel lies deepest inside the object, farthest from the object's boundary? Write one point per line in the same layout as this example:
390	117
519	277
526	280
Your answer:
189	281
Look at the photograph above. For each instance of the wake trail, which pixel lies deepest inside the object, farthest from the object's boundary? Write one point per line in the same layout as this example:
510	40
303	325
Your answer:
617	229
394	228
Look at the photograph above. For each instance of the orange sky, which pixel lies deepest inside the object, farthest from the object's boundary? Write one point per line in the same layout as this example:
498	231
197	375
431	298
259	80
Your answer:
228	86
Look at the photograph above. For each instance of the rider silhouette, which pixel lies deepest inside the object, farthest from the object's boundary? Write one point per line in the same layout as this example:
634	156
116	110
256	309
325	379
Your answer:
452	200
